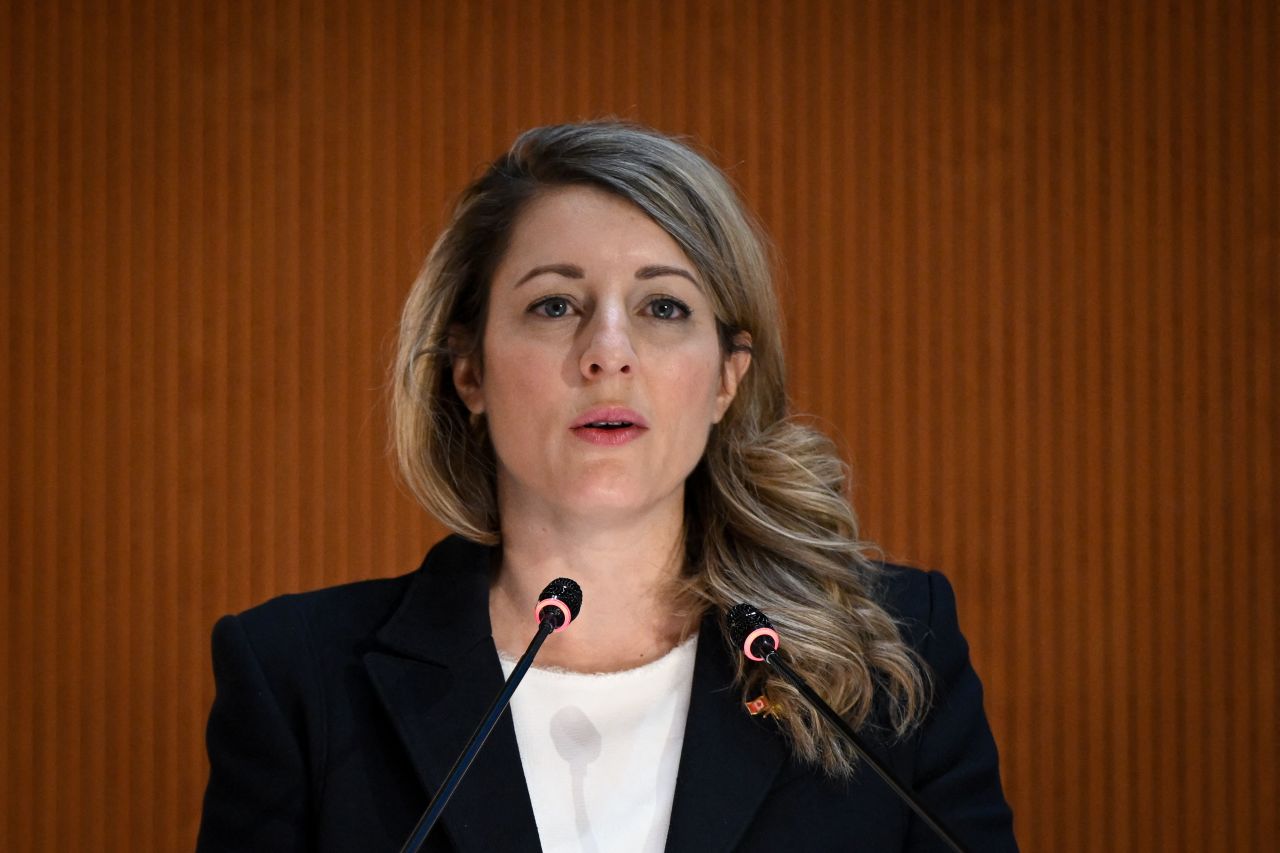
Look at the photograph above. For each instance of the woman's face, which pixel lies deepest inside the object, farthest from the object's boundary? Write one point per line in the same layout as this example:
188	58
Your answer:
602	369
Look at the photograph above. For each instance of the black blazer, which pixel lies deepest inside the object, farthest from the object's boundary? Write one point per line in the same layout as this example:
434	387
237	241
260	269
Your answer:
337	711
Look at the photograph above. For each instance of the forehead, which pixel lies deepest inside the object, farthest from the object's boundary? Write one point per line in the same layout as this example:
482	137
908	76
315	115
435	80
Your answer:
587	226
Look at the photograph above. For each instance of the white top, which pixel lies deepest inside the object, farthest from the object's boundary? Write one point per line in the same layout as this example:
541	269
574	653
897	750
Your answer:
600	752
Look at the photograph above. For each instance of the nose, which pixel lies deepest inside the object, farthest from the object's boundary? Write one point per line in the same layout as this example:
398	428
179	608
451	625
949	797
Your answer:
608	349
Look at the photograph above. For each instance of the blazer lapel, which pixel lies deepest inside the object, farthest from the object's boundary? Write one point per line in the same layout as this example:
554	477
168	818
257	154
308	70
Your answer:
436	673
728	760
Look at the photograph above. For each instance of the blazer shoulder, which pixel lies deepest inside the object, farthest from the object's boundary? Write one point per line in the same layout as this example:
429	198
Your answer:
911	596
342	616
955	762
334	623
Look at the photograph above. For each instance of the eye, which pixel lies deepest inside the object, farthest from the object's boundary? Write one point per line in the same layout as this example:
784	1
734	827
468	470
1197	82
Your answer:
668	308
551	306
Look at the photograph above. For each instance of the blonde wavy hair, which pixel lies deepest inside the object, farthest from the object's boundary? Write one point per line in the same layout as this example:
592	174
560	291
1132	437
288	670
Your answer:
767	519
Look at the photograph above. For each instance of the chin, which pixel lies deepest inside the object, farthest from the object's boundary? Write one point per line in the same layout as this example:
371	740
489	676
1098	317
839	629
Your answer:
609	498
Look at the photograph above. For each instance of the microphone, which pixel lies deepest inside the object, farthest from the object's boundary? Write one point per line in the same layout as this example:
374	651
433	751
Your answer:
752	632
560	602
557	606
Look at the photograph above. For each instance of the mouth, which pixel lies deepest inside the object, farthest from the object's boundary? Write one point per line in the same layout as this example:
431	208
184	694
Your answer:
610	418
609	426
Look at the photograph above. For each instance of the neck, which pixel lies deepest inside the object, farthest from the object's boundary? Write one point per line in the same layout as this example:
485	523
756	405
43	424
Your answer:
627	570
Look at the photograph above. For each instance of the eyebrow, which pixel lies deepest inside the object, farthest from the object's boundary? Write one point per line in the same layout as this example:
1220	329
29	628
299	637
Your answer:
566	270
659	270
574	271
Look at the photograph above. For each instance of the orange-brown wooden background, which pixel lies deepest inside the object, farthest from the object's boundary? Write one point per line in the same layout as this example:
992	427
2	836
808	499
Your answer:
1032	254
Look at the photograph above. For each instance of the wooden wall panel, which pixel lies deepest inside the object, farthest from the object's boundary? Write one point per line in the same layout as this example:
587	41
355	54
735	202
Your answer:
1032	256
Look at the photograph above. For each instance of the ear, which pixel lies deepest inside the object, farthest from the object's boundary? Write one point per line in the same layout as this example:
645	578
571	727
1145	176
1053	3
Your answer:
467	380
735	367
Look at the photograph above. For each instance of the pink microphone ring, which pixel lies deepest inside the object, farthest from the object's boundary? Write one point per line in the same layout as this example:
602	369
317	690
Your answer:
557	603
755	635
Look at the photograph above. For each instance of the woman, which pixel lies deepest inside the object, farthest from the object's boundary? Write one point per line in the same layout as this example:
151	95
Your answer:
589	383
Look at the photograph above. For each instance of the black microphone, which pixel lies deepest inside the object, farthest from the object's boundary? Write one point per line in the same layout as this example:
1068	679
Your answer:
752	632
560	602
558	605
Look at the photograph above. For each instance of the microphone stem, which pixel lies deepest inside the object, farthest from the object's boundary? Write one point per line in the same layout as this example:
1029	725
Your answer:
478	737
882	770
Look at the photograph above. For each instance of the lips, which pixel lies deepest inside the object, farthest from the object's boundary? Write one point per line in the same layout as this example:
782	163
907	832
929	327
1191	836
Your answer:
609	426
610	418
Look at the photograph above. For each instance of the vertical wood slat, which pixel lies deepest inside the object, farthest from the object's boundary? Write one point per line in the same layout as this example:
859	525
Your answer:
9	379
1031	255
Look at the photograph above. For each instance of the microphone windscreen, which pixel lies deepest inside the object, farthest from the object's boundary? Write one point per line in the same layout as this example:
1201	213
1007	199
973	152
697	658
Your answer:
752	631
566	591
743	619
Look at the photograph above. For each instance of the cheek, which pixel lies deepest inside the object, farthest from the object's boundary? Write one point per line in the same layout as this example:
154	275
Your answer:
696	390
523	399
517	374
